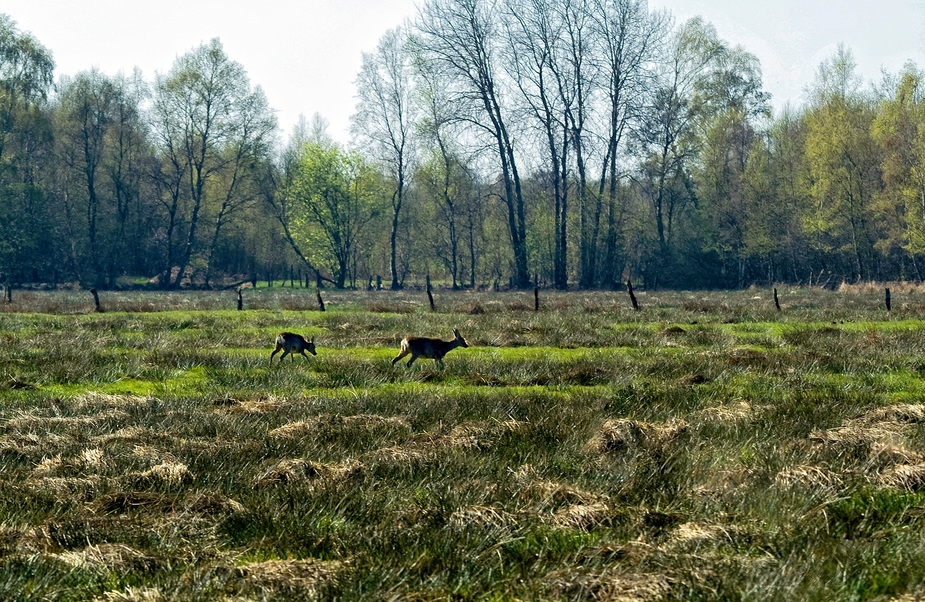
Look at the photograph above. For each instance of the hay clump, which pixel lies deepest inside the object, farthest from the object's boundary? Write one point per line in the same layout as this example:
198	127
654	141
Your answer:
110	557
131	594
582	516
694	534
263	404
808	477
544	494
604	584
27	421
122	501
129	434
65	487
481	517
329	423
728	414
901	413
211	503
623	435
904	476
297	470
165	473
302	576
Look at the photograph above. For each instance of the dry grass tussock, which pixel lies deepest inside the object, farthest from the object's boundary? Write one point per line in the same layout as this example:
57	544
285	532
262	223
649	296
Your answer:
424	446
608	584
544	494
165	473
131	594
25	421
733	414
581	516
623	435
902	287
331	422
109	557
483	517
904	476
297	470
809	477
263	404
879	434
301	576
696	535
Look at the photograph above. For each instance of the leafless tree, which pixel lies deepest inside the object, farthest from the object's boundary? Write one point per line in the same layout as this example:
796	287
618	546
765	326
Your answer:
461	38
385	118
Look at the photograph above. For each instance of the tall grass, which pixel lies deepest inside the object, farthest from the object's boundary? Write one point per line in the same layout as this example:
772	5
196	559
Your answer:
706	447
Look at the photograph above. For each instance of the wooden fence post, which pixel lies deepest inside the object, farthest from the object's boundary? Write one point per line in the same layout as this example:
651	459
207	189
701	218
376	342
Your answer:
776	302
320	301
96	300
888	299
629	287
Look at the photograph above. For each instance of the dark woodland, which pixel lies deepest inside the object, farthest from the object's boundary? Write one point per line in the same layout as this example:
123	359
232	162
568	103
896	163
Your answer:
515	144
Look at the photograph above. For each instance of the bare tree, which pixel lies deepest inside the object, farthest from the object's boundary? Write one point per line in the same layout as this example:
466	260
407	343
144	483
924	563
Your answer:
206	119
628	41
385	117
535	34
461	38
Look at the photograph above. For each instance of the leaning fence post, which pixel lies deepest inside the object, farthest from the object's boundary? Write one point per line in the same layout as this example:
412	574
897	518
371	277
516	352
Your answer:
776	302
888	299
320	301
629	287
96	300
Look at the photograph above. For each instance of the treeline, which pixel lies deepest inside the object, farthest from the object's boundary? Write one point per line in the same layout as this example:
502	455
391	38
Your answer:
573	143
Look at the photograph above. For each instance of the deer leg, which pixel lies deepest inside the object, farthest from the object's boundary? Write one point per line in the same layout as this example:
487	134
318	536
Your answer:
275	351
283	356
403	353
414	356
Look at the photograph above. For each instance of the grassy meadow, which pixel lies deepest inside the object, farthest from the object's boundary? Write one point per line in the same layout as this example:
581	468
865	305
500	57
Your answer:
707	447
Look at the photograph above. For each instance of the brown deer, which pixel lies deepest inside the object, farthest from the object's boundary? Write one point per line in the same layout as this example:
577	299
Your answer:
292	343
433	349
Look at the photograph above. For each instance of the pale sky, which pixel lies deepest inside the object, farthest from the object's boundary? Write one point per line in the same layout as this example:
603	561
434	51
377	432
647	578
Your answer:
306	54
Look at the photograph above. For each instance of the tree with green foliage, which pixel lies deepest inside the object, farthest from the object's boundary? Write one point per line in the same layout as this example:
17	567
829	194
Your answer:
899	129
26	72
210	127
334	195
844	166
668	136
729	99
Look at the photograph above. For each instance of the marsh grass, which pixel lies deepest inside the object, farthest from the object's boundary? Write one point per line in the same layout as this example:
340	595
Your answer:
706	447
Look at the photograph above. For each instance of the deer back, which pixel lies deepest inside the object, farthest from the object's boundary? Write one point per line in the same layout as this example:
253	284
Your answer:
435	348
295	343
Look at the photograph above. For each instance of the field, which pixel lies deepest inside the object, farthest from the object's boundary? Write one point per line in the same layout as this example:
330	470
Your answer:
707	447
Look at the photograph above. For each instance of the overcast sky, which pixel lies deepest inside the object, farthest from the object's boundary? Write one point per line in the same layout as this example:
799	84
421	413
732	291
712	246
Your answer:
306	53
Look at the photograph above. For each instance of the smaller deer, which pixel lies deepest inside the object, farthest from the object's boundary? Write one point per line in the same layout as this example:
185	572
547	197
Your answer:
433	349
292	343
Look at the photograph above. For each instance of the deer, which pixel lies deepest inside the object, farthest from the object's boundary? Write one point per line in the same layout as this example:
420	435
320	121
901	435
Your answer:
433	349
292	343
